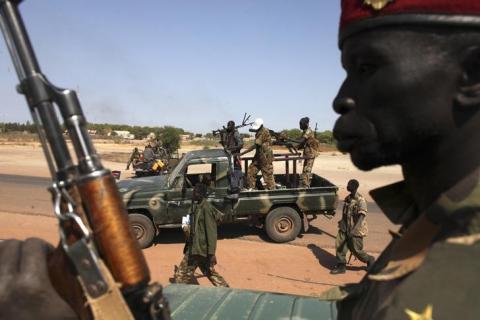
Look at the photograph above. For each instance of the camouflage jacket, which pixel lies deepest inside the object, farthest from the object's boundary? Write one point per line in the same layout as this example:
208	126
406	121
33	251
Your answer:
311	146
354	207
263	144
206	219
431	266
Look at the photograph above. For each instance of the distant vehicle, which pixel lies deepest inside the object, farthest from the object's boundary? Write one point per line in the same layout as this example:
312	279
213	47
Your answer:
162	164
160	202
152	168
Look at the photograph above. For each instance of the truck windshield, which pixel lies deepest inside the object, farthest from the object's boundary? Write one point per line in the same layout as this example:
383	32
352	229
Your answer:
175	172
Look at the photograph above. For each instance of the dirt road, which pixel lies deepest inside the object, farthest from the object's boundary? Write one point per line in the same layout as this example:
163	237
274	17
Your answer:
245	259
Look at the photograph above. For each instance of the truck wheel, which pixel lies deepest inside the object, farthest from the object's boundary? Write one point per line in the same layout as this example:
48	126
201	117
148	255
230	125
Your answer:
283	224
142	228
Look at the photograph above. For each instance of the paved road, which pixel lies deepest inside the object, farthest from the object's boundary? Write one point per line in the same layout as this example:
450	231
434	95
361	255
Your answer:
29	195
25	194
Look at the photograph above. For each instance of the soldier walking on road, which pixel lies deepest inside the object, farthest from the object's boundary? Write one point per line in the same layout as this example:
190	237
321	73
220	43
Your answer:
201	230
310	147
352	229
263	159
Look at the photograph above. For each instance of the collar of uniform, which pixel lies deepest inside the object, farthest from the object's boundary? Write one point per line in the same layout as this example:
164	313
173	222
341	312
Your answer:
396	202
409	252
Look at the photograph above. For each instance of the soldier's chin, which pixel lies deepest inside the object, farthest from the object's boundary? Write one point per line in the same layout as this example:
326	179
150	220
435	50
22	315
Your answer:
368	159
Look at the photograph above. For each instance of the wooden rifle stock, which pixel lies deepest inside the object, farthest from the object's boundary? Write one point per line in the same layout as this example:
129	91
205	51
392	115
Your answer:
112	234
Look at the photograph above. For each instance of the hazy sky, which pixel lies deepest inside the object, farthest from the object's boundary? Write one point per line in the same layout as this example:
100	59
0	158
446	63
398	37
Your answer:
193	64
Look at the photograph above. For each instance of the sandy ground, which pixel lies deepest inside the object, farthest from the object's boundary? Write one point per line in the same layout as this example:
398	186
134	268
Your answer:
245	259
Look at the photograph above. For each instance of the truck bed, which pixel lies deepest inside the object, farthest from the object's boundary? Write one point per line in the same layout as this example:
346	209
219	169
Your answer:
320	198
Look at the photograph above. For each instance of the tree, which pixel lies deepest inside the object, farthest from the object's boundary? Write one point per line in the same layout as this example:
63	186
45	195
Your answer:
293	133
209	135
170	137
326	137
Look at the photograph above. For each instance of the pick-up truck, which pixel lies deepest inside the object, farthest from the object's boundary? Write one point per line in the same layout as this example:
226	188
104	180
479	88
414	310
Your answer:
160	202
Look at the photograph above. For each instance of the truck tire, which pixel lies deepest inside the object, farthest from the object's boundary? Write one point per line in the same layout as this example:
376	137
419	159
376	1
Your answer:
143	229
283	224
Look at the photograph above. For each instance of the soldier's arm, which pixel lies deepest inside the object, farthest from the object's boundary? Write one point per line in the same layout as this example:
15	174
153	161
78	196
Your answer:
362	206
211	229
249	149
362	210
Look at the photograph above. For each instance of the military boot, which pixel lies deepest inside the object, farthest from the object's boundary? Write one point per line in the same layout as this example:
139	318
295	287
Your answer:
339	268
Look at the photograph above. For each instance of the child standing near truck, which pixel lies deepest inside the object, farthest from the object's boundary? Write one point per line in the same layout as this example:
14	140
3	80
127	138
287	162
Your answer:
201	244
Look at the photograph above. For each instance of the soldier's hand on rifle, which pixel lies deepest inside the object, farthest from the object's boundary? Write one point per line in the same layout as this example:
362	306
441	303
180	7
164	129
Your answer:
212	260
25	288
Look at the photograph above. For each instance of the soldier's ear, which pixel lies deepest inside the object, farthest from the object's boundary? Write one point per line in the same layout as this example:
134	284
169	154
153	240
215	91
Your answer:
469	92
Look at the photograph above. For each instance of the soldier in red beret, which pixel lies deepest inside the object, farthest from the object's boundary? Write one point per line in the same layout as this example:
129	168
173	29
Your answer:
412	97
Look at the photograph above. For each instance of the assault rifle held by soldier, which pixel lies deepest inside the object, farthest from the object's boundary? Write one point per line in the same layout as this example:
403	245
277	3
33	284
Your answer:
224	129
98	267
282	139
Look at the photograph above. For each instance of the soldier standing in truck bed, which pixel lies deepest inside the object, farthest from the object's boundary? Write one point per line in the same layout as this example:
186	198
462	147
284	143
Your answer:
263	158
232	142
310	146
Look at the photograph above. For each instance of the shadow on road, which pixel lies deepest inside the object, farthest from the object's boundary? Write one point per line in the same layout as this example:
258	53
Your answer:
316	230
329	261
325	258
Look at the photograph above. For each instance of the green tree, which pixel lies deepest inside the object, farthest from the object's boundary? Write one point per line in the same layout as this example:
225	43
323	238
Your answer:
293	133
170	137
326	137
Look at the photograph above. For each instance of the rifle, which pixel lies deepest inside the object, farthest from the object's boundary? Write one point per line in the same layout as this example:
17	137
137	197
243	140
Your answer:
223	130
96	245
191	234
281	139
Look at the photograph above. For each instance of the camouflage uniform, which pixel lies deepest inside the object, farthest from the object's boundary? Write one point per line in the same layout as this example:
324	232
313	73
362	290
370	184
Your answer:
309	152
262	161
347	237
432	261
201	246
184	273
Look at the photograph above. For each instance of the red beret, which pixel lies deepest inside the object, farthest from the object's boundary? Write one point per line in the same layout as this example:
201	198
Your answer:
358	15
